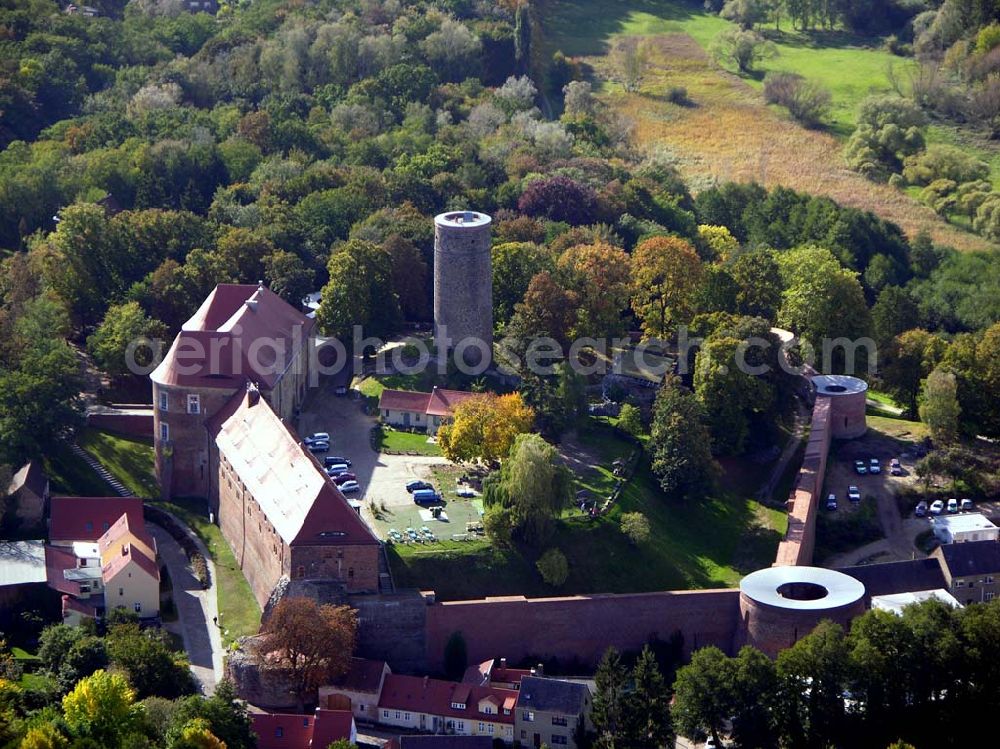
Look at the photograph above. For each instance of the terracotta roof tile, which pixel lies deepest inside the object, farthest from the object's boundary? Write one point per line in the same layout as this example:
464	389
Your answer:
292	731
404	400
87	518
330	726
299	499
363	675
443	402
434	697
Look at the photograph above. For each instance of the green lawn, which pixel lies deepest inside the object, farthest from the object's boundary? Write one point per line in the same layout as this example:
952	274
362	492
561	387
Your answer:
70	475
129	459
850	67
406	442
699	544
238	609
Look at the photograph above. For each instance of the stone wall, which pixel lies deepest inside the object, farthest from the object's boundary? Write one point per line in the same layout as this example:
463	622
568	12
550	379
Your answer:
261	686
131	424
803	504
355	565
581	627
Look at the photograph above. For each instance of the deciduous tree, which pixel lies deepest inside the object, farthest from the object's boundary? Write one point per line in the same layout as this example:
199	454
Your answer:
101	708
680	443
939	408
485	427
666	273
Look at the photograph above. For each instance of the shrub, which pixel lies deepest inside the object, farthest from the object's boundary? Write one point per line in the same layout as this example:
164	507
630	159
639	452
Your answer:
889	129
199	568
554	567
742	49
988	38
943	162
987	220
636	527
560	199
678	95
807	102
630	420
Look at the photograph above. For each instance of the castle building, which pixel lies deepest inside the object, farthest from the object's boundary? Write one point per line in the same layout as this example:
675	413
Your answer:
279	511
240	334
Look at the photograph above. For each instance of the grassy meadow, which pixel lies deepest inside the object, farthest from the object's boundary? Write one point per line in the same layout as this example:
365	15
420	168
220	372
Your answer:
727	132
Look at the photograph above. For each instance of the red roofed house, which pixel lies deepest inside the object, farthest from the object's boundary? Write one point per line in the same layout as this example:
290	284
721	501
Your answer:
279	511
495	675
28	493
290	731
425	704
101	558
409	409
240	334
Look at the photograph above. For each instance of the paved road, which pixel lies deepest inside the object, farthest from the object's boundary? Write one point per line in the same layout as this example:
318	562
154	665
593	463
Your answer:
196	609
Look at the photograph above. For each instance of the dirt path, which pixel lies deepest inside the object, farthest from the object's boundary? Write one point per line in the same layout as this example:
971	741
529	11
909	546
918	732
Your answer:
727	133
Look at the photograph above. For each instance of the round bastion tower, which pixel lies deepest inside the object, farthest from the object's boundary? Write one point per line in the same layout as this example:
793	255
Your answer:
463	285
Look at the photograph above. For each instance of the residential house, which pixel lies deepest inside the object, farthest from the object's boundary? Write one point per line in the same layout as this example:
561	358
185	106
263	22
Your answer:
969	526
280	512
416	703
495	673
970	569
416	410
550	711
291	731
29	495
100	558
358	690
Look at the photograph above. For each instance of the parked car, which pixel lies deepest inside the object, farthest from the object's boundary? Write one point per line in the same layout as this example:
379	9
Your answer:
831	502
332	459
860	467
340	390
413	486
317	437
921	509
965	505
937	507
874	466
349	486
895	468
952	505
466	492
318	447
426	497
345	476
336	469
854	494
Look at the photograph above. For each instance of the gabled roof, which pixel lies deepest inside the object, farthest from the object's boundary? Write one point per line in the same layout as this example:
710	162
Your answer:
435	697
299	499
552	695
57	561
88	518
69	603
363	675
123	544
30	476
898	577
971	558
291	731
255	332
443	402
404	400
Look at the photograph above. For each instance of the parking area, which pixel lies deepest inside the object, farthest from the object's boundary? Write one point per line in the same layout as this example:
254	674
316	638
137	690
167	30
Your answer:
383	478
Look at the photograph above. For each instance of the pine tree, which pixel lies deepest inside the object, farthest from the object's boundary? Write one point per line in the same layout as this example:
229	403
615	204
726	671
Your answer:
609	699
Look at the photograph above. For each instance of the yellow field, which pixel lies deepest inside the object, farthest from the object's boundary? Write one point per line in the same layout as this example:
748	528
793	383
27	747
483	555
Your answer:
728	133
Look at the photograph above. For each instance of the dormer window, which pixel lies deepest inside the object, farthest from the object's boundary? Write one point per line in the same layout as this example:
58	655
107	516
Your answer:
194	403
457	705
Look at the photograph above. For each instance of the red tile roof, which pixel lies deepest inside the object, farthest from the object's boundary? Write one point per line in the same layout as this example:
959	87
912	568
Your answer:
290	731
404	400
87	518
434	697
302	503
69	603
234	320
57	561
443	402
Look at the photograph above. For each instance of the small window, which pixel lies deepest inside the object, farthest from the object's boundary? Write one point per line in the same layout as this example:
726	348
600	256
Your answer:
989	595
194	403
279	732
89	526
385	713
558	740
164	432
989	580
959	583
406	716
302	571
138	608
121	591
558	720
350	572
164	400
397	715
305	722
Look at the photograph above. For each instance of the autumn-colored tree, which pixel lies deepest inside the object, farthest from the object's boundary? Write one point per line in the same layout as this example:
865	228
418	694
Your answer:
718	242
547	310
43	736
484	427
196	734
666	273
939	408
599	275
315	643
102	708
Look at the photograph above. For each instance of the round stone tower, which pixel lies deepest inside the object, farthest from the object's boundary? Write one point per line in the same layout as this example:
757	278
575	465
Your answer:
848	399
781	605
463	285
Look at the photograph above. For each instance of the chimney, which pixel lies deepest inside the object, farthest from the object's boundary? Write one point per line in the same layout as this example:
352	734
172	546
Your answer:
253	394
426	680
251	304
503	664
539	670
